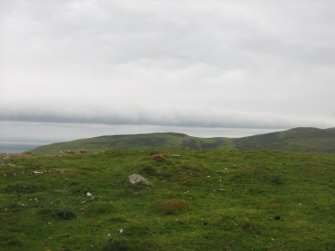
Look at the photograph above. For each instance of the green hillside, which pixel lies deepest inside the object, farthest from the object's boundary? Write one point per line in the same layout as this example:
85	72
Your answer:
152	140
294	140
332	130
196	200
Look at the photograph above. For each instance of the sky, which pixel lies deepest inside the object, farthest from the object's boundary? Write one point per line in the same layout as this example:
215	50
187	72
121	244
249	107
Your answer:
84	68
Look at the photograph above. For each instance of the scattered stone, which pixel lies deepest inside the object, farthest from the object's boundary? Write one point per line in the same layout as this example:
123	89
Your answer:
83	151
159	156
137	179
88	194
7	157
37	172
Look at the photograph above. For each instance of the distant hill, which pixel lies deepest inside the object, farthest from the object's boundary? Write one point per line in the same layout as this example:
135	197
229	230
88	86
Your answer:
151	140
332	130
303	139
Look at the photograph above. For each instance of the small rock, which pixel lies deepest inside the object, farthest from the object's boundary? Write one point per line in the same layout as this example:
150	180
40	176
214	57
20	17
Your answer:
137	179
159	156
83	151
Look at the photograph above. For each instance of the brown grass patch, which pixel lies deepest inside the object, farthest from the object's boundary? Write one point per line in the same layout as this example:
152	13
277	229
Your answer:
172	206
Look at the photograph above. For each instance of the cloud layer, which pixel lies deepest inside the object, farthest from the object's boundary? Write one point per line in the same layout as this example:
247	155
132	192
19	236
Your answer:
233	64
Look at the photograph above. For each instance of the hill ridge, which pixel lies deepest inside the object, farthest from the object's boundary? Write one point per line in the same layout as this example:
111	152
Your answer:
300	139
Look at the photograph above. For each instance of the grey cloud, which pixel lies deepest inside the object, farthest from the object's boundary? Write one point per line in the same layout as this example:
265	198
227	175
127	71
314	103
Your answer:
257	64
159	117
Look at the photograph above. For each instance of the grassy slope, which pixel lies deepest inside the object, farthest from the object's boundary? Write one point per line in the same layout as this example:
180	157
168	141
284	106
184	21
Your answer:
332	130
232	201
295	140
153	140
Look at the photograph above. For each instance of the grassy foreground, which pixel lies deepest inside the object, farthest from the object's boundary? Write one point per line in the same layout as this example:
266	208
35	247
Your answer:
197	200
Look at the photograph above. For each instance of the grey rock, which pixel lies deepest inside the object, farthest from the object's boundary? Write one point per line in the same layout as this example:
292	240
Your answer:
137	179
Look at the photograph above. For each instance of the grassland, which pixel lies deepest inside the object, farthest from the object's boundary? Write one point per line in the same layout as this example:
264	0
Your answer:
294	140
197	200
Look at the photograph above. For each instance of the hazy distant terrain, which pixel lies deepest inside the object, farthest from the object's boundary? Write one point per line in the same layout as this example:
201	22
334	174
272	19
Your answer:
294	140
16	147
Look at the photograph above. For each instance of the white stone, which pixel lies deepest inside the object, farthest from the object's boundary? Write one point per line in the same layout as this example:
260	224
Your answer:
137	179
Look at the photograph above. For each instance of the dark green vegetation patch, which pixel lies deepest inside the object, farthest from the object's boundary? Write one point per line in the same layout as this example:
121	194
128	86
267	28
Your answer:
196	200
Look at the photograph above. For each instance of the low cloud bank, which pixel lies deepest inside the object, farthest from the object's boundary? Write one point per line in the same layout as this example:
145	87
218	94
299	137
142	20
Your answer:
160	116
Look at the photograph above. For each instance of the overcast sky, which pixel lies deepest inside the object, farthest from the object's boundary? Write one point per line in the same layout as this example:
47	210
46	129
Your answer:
210	67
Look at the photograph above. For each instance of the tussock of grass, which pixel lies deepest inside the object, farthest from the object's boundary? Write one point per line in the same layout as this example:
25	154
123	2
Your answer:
172	206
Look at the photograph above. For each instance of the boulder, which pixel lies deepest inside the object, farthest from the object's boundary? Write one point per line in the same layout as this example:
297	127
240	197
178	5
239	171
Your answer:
137	179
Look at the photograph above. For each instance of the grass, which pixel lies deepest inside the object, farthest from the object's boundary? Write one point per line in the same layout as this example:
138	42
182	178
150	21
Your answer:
197	200
172	206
